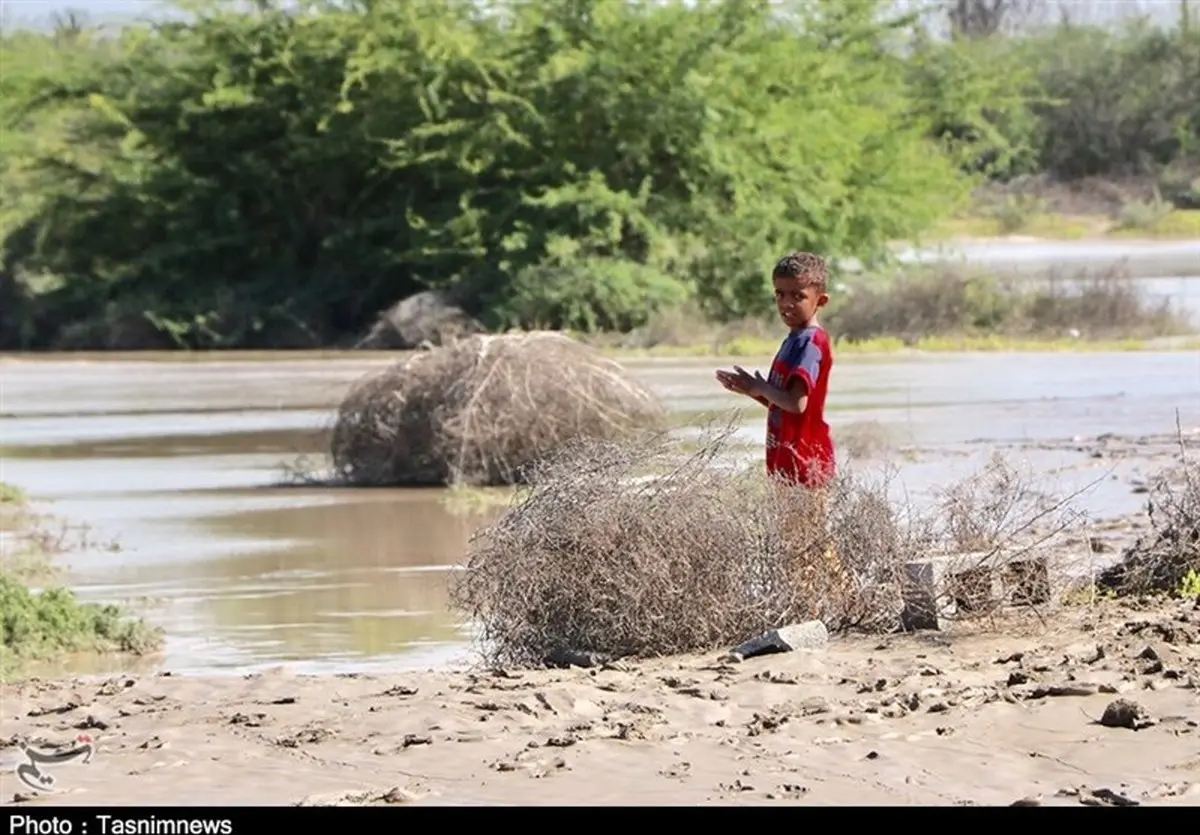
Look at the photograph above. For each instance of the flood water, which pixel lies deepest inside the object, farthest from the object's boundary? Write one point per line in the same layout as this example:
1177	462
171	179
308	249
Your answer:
181	460
1140	259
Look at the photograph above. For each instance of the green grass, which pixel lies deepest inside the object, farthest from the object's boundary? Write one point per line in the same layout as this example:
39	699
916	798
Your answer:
1189	588
12	495
48	623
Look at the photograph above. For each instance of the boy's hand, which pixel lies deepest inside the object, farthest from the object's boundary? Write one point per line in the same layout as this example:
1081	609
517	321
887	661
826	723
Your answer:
740	381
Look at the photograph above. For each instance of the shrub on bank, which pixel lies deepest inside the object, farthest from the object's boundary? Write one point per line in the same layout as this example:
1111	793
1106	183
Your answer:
41	625
1167	558
940	303
949	302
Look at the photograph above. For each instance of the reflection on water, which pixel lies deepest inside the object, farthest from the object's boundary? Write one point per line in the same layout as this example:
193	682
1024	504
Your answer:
181	461
364	575
279	576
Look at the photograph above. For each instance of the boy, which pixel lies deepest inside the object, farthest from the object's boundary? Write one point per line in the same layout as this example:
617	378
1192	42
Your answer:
799	447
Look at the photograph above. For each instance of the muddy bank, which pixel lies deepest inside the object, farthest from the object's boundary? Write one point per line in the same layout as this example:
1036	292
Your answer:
937	719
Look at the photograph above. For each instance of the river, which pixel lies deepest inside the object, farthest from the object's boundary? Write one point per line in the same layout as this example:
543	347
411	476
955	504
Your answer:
179	460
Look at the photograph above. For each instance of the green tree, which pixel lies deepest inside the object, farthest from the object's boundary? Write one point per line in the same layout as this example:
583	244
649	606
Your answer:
276	176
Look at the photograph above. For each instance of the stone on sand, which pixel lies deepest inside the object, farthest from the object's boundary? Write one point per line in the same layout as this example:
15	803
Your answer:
808	635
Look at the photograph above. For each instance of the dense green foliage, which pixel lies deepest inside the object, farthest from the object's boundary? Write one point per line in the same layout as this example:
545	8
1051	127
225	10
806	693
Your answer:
266	178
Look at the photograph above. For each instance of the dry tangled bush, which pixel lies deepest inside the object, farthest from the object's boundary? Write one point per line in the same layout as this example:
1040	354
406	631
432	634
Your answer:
1008	543
999	509
947	301
640	550
1161	561
480	410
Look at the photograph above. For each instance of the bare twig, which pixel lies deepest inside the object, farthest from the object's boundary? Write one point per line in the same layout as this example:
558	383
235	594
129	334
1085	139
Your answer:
1160	561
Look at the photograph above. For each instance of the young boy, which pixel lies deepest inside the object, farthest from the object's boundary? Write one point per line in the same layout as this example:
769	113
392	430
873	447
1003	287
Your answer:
799	446
800	449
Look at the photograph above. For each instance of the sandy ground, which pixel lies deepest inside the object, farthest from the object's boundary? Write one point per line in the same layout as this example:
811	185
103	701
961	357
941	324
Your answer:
986	718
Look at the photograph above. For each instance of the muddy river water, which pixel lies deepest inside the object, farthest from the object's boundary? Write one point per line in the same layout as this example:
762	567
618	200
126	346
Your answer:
180	461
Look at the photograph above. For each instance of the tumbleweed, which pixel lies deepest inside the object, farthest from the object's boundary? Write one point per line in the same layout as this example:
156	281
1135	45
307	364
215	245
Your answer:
481	410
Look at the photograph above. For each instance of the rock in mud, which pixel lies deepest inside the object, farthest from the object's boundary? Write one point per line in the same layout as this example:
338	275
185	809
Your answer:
1106	797
360	797
808	635
427	319
1043	691
1124	713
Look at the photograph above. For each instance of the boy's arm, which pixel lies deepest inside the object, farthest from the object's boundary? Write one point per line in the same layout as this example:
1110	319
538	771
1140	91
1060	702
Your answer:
793	397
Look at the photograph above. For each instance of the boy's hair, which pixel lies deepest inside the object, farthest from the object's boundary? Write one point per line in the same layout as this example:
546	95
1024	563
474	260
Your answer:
809	268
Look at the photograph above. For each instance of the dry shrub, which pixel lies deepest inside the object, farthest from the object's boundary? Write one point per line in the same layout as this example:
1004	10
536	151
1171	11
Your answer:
949	301
999	509
997	522
480	410
644	549
1160	561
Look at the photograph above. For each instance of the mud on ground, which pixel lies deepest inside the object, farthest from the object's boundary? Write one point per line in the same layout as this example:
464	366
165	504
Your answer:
995	717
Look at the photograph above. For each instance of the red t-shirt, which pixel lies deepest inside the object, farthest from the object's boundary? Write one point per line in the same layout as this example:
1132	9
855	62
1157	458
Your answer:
799	446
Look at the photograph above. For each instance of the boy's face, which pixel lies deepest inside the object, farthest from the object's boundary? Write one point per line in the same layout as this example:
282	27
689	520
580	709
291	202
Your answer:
797	303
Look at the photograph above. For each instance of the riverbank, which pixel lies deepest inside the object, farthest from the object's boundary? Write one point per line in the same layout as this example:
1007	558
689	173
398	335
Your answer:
1018	293
973	719
1179	225
751	346
758	347
947	307
1026	217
